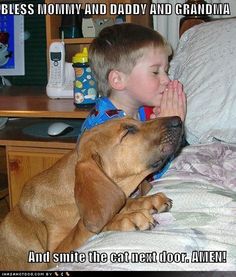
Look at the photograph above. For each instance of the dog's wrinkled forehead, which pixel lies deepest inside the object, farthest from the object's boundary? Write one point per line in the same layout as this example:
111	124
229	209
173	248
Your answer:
107	133
111	128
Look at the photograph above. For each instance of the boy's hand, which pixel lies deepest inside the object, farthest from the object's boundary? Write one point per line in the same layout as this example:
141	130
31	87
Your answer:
173	102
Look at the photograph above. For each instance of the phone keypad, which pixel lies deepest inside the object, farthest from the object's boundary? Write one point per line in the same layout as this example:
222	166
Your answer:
56	78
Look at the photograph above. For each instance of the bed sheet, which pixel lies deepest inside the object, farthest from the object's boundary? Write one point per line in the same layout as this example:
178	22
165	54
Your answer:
197	234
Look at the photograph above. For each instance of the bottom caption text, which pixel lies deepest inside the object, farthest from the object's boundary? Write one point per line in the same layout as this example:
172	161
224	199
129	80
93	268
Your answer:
129	257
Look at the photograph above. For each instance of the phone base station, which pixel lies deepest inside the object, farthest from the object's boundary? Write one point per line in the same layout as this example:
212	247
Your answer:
67	89
57	93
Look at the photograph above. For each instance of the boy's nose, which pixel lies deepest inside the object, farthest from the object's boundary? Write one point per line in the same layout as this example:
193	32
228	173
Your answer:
165	80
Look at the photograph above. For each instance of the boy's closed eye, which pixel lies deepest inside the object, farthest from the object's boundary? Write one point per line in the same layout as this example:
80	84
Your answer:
155	69
160	72
159	69
155	72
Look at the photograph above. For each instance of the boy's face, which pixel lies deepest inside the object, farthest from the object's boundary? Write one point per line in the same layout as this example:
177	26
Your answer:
148	79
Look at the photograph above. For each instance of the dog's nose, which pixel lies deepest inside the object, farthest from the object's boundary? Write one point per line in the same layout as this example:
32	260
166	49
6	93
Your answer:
175	122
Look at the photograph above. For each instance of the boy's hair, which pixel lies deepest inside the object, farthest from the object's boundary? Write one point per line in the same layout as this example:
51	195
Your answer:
119	47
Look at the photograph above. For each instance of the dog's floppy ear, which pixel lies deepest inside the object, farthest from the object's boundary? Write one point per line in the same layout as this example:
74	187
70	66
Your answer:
97	196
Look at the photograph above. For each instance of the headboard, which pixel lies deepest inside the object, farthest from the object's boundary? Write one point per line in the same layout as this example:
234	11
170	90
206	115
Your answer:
189	21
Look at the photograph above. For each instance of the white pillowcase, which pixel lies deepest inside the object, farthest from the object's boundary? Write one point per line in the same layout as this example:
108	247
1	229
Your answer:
205	62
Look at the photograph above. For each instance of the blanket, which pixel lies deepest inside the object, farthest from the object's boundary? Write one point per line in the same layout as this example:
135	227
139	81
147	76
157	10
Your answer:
197	234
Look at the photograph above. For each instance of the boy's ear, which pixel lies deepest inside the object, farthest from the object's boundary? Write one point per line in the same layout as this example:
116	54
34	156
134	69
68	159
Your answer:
117	79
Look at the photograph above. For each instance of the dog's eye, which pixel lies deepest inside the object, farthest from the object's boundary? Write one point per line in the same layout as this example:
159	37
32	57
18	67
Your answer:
132	129
129	129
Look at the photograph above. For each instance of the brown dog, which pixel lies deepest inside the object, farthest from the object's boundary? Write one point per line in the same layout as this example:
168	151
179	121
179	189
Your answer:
86	191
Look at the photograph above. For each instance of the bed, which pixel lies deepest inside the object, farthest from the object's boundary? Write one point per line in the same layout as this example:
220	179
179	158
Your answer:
199	231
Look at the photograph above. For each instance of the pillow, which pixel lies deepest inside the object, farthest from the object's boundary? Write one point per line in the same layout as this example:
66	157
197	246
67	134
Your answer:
205	62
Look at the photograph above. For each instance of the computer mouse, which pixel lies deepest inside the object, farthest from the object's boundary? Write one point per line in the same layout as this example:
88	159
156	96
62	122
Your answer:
59	128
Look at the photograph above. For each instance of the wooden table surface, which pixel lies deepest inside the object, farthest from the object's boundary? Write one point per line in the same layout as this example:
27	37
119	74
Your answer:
34	102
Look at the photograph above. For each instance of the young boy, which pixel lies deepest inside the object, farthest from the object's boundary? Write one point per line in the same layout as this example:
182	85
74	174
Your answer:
130	63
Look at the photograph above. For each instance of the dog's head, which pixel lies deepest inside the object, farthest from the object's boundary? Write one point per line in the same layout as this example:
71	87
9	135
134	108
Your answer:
115	157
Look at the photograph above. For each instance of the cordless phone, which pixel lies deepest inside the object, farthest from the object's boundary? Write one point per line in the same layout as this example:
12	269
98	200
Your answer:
61	73
57	64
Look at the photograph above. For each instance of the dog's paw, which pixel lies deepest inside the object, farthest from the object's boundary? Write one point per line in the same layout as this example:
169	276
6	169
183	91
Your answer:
155	203
162	202
131	221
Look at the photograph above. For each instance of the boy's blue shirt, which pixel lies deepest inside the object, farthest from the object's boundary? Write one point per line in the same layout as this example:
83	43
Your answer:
103	111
